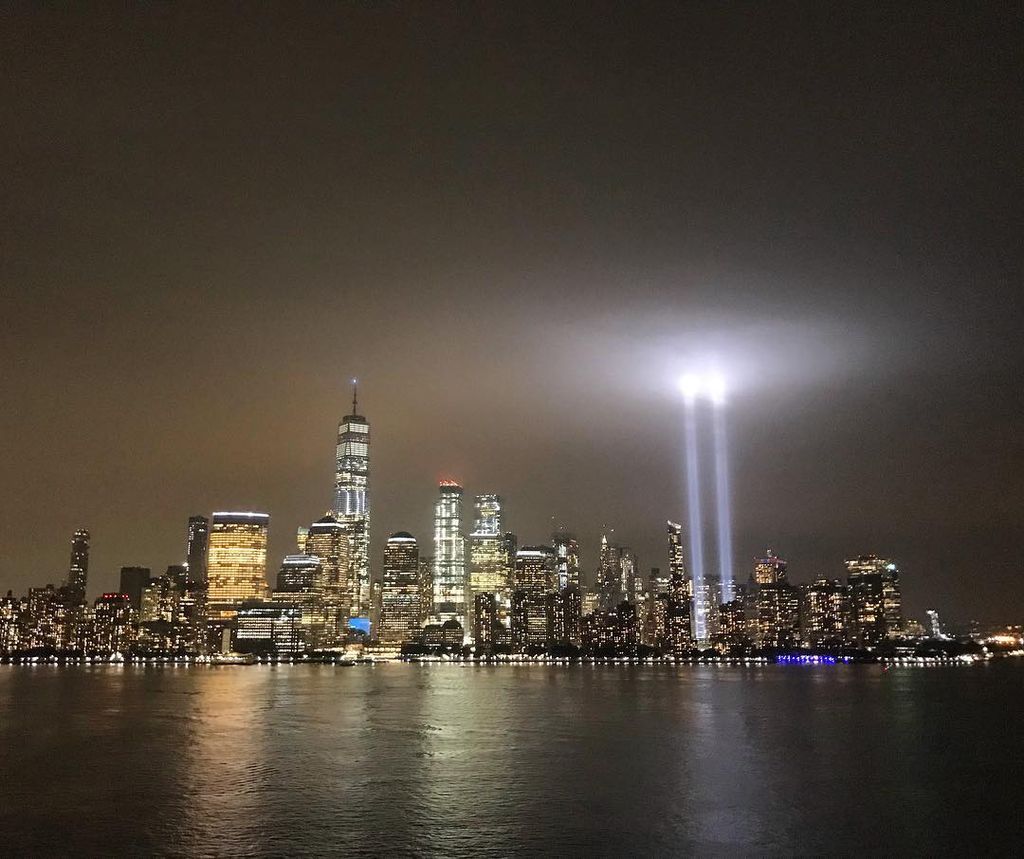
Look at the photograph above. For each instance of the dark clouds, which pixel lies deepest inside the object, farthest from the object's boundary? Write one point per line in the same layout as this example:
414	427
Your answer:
517	224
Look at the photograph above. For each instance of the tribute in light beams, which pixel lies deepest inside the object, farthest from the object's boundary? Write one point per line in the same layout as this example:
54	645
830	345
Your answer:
691	387
724	510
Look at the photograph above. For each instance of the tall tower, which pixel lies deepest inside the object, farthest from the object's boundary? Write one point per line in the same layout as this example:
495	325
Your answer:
676	560
488	566
533	581
567	560
196	548
78	569
352	500
770	570
327	540
237	561
615	574
449	556
400	594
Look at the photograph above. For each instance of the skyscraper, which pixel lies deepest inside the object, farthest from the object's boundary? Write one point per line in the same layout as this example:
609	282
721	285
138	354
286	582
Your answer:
824	613
196	548
426	585
134	581
487	570
301	582
236	562
674	620
564	617
400	593
449	556
488	563
875	599
778	614
676	556
770	570
328	540
352	501
567	560
532	581
78	569
615	574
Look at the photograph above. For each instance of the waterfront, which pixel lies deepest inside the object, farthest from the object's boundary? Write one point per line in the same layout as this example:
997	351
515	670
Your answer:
398	759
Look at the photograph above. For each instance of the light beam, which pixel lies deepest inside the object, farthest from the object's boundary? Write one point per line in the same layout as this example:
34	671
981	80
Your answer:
722	498
693	498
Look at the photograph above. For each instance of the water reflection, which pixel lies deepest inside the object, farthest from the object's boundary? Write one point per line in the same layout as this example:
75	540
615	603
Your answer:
419	760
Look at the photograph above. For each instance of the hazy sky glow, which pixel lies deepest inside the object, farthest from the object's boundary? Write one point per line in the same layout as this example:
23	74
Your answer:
518	225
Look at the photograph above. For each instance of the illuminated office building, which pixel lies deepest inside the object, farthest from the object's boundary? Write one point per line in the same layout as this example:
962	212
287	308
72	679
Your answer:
301	574
565	615
449	556
352	503
778	615
875	599
113	629
612	632
196	548
485	622
824	613
658	583
657	621
328	540
302	582
12	614
78	569
676	629
770	570
567	560
47	619
640	599
426	585
159	601
934	626
677	559
732	628
617	566
532	581
237	561
705	600
269	628
488	562
534	570
400	592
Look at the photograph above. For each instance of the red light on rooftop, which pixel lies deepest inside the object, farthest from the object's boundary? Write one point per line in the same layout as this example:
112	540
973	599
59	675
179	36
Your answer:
448	483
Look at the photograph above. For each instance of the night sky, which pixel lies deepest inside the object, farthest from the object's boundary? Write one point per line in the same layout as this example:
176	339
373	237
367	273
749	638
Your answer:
517	224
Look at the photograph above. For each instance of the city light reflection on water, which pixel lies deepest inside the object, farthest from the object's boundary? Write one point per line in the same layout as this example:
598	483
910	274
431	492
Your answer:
400	759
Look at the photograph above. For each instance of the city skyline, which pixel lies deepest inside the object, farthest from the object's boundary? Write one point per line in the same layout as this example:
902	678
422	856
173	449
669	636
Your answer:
470	552
518	231
450	415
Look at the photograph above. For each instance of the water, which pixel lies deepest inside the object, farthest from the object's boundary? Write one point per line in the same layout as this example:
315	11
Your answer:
465	760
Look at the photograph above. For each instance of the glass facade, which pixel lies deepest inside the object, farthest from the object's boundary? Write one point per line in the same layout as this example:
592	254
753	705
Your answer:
236	562
449	556
78	569
196	548
567	560
400	593
328	540
352	503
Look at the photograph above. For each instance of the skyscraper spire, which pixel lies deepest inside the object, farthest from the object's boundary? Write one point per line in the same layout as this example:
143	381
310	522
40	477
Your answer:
352	503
